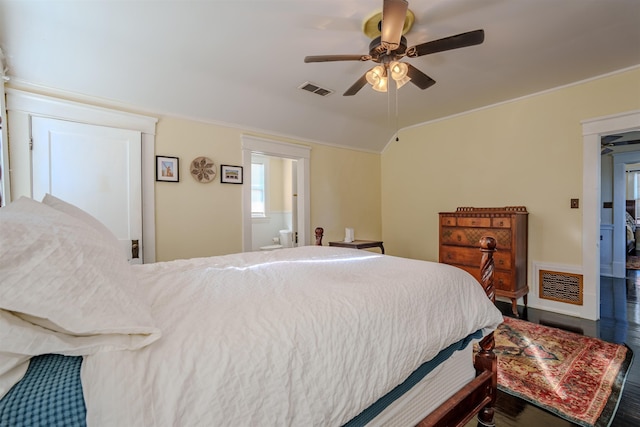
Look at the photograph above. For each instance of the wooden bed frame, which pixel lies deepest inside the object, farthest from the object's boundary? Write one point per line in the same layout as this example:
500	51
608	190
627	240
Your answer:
479	395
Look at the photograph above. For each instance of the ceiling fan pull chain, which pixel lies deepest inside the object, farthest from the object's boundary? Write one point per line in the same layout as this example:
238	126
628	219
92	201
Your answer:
389	84
397	113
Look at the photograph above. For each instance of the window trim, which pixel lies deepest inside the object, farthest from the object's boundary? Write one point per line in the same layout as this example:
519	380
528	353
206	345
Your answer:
259	159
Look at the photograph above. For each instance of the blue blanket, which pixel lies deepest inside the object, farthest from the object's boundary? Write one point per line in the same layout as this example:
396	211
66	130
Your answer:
50	394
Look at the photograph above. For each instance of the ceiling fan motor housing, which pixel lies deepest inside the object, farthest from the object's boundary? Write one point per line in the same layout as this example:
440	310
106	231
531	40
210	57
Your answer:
379	54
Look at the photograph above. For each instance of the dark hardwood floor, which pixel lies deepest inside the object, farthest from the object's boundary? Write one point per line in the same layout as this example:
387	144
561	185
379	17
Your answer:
619	323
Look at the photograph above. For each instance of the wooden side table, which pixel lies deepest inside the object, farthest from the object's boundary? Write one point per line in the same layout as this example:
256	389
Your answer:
359	244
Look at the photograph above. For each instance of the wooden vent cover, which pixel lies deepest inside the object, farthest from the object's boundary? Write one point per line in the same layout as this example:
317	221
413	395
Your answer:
560	286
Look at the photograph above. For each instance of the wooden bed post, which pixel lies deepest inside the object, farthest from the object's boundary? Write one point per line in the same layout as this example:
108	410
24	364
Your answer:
319	234
485	359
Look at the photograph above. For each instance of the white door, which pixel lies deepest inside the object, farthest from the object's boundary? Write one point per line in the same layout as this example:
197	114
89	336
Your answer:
96	168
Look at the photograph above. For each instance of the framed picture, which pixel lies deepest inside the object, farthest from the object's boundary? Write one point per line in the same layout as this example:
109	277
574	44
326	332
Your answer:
167	169
231	174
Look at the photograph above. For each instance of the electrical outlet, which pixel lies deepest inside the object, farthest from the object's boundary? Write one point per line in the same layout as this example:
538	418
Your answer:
575	204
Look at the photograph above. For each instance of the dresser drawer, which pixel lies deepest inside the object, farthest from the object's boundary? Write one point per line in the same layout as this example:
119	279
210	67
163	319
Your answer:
503	281
501	222
448	221
474	222
472	257
461	236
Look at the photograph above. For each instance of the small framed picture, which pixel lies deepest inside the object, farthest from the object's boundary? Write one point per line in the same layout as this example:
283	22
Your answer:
231	174
167	169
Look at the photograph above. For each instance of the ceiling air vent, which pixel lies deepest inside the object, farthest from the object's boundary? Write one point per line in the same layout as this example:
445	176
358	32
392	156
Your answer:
313	88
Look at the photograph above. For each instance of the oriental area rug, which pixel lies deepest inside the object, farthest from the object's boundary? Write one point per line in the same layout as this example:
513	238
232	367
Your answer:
575	377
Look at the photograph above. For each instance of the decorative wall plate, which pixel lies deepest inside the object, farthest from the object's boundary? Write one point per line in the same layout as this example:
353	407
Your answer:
203	169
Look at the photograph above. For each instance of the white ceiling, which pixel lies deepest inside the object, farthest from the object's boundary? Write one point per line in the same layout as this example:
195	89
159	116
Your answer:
240	62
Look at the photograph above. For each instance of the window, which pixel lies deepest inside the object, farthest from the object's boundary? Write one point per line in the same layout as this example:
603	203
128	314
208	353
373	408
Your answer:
258	189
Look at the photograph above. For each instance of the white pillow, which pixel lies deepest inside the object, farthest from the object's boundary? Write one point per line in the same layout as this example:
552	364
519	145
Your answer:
56	268
58	277
82	215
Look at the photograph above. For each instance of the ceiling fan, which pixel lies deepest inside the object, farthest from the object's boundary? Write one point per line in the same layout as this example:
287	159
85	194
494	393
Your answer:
609	141
391	46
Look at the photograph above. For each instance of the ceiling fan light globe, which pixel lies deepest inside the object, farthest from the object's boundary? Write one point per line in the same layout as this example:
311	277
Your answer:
381	85
375	74
401	82
399	70
372	78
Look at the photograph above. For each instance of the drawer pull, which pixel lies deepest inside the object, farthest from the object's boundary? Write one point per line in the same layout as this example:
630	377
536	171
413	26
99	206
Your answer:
501	262
459	238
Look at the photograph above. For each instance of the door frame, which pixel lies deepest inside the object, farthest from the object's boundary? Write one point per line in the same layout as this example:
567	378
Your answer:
592	132
302	155
32	104
620	161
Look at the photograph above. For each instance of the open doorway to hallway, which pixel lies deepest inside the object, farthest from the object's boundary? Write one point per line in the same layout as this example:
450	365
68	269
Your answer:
620	201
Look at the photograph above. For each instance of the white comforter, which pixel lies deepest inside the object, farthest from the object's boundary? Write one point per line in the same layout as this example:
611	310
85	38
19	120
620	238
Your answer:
308	336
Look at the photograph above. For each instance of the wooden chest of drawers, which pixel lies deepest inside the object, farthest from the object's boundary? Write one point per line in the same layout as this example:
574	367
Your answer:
460	234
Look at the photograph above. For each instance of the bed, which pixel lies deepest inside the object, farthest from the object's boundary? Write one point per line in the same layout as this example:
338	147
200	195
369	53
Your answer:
307	336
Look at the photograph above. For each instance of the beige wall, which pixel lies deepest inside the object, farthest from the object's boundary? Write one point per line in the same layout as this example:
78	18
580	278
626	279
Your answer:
279	184
526	152
194	220
345	192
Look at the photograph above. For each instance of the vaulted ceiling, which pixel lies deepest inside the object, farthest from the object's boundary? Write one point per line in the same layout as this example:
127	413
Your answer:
241	62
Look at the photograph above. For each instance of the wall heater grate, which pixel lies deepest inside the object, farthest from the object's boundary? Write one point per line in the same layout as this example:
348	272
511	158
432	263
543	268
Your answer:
561	286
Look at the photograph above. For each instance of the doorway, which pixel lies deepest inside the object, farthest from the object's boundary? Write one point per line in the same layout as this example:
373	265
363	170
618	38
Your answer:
620	163
68	163
300	156
273	202
23	106
619	196
592	131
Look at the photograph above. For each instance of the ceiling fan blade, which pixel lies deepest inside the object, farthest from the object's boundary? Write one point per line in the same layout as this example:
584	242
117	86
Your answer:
394	13
419	78
329	58
625	142
470	38
609	139
356	86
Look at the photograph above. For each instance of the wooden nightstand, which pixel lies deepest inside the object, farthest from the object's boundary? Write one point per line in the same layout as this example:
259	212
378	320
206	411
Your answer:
359	244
